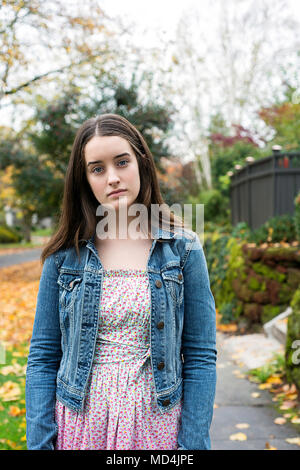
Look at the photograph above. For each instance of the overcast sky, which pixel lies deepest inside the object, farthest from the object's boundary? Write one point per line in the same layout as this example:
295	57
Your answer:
165	14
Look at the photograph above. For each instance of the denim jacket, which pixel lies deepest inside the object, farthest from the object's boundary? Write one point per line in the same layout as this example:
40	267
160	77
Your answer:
182	336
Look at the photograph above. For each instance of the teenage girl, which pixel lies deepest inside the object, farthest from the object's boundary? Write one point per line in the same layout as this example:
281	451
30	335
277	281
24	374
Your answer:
123	349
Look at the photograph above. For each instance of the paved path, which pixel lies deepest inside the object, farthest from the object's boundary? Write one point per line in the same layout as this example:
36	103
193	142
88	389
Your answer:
20	257
236	405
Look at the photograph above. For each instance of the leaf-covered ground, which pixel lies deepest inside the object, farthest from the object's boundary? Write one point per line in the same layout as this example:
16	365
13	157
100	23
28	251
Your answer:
18	293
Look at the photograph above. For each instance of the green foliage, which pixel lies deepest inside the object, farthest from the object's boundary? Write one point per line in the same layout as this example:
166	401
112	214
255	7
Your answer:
270	311
284	118
295	303
9	235
215	206
273	366
277	229
292	341
225	262
297	216
13	427
241	231
264	270
224	160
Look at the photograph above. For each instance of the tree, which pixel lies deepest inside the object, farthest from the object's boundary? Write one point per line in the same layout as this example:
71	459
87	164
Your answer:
65	33
284	119
39	168
229	147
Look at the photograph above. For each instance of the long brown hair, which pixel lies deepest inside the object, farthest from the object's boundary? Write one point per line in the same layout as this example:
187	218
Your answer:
78	217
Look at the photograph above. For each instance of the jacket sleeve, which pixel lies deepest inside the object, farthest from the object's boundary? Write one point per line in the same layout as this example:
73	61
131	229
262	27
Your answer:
199	351
43	362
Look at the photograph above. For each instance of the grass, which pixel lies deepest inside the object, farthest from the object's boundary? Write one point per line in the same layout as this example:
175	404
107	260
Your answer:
12	412
45	232
270	371
275	366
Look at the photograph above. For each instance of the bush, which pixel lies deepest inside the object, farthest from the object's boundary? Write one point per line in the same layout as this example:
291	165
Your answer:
215	205
292	342
241	231
297	216
9	235
277	229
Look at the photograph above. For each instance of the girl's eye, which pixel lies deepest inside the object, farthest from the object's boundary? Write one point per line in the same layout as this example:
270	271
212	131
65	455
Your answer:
99	167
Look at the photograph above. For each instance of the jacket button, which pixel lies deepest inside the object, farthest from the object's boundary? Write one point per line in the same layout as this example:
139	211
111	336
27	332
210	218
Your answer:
166	402
160	325
160	365
158	283
180	276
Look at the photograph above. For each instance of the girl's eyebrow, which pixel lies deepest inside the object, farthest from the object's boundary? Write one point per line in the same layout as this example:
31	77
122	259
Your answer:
117	156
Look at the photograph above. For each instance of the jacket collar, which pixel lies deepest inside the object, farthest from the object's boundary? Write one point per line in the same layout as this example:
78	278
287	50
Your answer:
157	233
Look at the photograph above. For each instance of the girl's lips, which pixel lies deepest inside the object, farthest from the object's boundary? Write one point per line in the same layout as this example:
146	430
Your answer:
118	193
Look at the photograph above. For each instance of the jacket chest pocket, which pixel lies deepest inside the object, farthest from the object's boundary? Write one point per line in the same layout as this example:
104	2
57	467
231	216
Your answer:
174	282
68	288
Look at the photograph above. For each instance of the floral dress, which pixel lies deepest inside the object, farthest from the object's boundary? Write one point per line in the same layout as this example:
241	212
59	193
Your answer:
120	411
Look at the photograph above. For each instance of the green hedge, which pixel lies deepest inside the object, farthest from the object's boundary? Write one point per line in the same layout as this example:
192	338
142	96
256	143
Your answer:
292	348
9	235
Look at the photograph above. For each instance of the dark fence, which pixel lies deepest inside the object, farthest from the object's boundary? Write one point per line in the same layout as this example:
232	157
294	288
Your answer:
265	188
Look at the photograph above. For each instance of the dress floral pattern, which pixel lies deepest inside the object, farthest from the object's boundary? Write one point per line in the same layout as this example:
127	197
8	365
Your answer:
120	411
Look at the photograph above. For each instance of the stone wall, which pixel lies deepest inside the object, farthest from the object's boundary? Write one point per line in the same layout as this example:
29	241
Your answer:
266	281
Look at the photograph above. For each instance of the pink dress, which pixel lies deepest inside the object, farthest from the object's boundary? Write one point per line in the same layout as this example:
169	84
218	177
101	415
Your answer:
120	411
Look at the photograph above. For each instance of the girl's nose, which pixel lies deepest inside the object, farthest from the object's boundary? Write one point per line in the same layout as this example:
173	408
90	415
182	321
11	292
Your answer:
112	176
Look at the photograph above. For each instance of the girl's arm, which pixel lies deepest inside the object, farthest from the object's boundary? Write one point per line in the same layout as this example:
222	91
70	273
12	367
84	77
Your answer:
43	362
199	351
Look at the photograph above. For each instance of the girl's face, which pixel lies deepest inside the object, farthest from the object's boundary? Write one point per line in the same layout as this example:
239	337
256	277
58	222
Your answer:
111	165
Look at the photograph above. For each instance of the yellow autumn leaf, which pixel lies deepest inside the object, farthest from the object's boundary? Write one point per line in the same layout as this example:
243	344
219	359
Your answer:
10	391
274	380
242	425
23	438
279	420
295	420
292	396
240	436
293	440
269	447
255	394
265	386
14	411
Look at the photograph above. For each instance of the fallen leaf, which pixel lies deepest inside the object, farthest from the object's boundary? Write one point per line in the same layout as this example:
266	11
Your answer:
240	436
295	420
265	386
16	411
292	396
15	369
242	425
288	404
269	447
255	394
293	440
274	380
10	391
280	421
